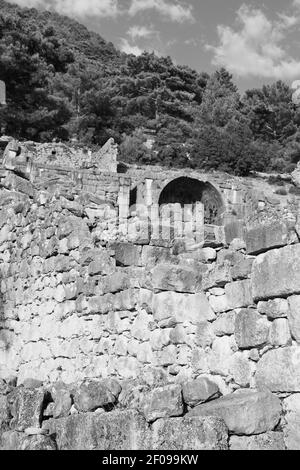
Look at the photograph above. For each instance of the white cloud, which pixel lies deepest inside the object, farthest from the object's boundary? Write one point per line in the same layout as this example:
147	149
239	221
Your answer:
171	10
75	8
255	48
128	48
141	32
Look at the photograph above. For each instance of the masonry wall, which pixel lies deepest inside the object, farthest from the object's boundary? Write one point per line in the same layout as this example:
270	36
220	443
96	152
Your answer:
213	332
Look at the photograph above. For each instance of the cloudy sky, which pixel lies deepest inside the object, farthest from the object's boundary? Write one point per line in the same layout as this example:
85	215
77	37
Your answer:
258	41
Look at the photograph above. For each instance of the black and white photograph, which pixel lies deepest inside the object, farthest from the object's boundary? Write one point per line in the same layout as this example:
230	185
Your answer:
149	228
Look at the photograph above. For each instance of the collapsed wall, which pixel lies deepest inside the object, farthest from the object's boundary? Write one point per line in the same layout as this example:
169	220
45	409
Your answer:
96	331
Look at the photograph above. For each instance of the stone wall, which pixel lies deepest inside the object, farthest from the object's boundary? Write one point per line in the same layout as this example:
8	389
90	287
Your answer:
95	330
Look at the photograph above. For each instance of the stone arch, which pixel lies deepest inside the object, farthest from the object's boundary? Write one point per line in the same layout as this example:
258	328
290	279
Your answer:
186	190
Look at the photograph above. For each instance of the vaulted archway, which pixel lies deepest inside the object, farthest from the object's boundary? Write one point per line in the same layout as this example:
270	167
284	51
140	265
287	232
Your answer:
185	190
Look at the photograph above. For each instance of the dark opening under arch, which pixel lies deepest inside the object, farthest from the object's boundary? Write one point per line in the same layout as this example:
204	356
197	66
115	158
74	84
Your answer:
186	190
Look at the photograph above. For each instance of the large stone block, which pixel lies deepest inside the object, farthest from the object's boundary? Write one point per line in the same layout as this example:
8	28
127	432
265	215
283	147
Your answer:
13	440
182	307
199	391
224	324
127	254
294	316
265	237
239	294
26	407
280	332
244	413
241	368
291	426
4	413
189	434
170	277
279	370
95	394
117	430
162	402
275	308
251	330
276	273
218	275
268	441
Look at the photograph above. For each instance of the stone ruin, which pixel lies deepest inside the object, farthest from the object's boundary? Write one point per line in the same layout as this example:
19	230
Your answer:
148	309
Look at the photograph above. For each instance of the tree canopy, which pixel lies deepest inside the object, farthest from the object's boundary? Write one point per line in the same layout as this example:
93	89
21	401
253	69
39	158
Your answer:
64	81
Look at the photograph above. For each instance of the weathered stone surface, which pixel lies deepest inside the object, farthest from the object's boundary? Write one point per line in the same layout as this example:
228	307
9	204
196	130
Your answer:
251	330
163	402
204	334
199	391
294	316
217	276
152	255
275	308
32	383
176	278
208	254
117	430
182	307
219	303
242	269
4	413
279	370
127	254
244	413
265	237
189	434
240	368
238	294
276	273
291	426
279	334
219	358
27	406
13	440
61	395
224	324
94	394
268	441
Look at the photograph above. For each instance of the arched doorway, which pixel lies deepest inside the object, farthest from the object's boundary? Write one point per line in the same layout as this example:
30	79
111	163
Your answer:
185	190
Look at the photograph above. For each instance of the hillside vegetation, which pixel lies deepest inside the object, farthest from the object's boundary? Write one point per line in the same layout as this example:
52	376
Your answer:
64	81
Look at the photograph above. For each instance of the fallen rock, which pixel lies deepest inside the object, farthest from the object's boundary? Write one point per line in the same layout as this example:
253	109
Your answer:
244	413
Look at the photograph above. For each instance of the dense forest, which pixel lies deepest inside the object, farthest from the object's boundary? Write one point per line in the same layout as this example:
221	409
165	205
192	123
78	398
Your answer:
64	82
